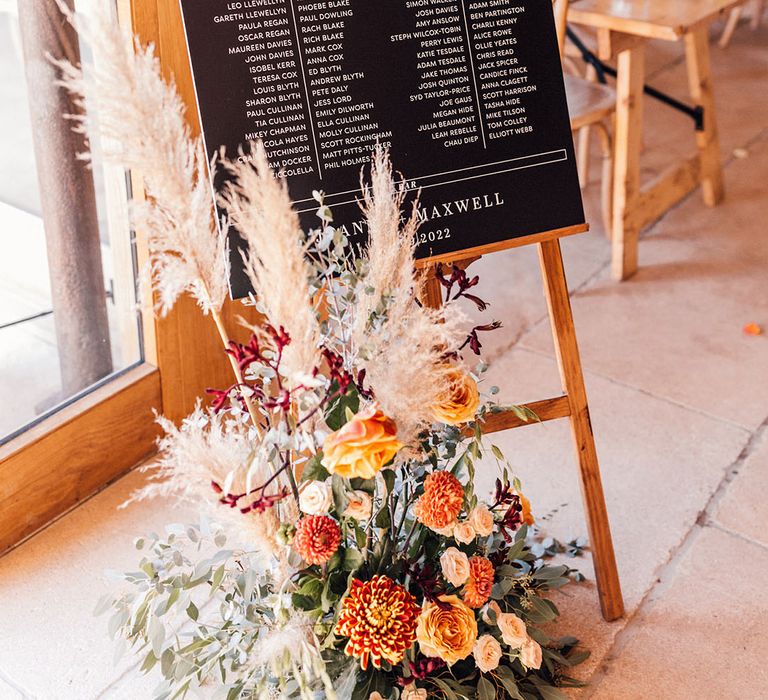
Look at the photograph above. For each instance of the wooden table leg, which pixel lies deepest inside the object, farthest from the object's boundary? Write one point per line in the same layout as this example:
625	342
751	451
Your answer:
700	84
626	181
569	362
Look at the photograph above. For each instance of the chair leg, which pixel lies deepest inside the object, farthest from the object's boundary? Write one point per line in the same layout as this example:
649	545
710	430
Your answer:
606	188
585	138
730	27
757	16
582	154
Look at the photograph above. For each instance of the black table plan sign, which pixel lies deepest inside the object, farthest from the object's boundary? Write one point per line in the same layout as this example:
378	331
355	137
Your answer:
468	97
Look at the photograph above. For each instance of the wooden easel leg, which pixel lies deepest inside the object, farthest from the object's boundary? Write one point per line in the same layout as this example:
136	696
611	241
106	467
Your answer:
626	180
563	332
700	84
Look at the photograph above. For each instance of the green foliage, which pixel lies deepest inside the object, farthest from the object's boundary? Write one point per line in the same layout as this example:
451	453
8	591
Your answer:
342	407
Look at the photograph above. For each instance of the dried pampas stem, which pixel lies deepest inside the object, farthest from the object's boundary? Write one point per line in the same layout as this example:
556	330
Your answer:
259	206
400	343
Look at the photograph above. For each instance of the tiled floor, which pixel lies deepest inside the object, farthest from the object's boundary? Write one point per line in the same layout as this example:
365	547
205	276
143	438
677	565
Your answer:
679	399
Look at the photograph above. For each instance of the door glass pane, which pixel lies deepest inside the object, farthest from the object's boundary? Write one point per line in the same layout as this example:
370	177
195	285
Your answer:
68	318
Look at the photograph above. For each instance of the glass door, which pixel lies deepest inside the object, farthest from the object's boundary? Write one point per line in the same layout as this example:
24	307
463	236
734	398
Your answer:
68	314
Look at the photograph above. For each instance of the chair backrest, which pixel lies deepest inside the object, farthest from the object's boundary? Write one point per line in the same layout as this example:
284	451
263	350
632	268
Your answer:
561	18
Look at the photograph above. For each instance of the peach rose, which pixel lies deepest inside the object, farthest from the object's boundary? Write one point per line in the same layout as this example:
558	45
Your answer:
460	400
375	695
487	653
360	505
455	566
315	497
464	533
513	630
530	654
448	634
481	519
363	446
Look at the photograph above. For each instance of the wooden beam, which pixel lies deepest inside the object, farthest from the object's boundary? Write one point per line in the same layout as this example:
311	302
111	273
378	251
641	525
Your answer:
481	250
662	193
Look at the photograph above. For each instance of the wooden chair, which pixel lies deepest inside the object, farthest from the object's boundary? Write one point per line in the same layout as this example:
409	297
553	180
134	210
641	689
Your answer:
592	105
758	7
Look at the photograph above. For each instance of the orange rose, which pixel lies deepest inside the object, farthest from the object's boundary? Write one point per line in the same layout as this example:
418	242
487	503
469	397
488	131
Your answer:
460	401
361	447
448	634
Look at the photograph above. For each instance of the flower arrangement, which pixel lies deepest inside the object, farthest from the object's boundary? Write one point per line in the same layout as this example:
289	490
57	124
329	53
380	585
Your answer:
343	550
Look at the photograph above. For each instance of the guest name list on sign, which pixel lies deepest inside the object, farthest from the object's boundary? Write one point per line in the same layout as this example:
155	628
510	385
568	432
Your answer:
467	95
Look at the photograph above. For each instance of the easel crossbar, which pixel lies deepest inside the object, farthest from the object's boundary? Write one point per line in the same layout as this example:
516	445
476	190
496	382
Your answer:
545	410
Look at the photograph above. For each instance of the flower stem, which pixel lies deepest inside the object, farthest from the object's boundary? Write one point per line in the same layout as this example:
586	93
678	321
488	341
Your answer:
236	369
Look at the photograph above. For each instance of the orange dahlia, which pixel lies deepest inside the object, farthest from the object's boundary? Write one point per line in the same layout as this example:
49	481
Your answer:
442	501
477	590
379	617
317	538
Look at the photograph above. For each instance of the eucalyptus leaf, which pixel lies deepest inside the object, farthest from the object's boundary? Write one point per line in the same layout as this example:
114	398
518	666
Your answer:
485	689
339	490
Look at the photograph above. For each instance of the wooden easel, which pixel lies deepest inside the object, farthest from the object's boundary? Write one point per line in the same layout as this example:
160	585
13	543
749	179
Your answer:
572	405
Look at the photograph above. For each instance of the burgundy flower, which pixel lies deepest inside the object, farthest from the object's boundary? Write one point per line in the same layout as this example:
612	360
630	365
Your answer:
261	504
473	340
460	279
220	398
245	355
427	581
425	667
512	519
336	370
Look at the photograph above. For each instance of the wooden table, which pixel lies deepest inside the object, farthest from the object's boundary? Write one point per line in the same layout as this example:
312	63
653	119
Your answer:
623	29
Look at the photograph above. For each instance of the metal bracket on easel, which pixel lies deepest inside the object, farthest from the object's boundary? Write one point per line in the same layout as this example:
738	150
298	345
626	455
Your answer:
602	69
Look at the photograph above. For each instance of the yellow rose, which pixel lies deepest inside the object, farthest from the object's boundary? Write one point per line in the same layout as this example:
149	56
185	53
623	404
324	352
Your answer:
513	630
481	519
530	654
361	447
448	634
455	566
460	400
464	533
487	653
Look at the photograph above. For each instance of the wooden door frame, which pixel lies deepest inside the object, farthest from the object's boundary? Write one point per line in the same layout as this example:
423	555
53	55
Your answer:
77	451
